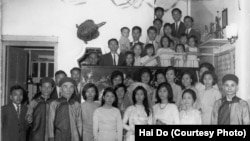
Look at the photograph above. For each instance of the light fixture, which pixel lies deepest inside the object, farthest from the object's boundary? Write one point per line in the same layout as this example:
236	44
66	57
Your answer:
232	33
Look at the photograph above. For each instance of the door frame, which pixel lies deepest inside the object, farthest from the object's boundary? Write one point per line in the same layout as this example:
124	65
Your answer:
23	40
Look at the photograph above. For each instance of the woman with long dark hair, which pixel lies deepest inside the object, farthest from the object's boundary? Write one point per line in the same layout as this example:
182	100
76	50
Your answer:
139	113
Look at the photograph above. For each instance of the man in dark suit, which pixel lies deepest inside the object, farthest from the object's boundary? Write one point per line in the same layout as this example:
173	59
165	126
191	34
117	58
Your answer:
189	21
178	26
136	34
14	125
59	75
112	58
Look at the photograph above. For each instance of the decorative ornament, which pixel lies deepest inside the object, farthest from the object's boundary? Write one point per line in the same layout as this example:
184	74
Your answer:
88	30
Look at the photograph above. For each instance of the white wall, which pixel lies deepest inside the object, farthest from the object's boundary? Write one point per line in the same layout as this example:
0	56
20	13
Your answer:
204	12
183	5
57	18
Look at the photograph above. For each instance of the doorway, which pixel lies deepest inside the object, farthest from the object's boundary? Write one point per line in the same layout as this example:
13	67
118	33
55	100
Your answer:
27	59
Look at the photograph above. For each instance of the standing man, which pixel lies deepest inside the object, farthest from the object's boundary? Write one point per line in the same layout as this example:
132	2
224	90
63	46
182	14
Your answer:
136	34
178	26
14	125
38	112
65	122
59	75
189	22
76	75
112	58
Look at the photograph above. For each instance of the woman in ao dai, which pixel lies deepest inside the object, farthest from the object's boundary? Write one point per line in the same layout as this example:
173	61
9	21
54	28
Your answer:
165	111
90	95
107	125
138	114
189	115
208	96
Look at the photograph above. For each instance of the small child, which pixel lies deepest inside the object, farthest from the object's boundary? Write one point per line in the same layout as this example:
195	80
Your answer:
165	59
90	95
184	40
179	59
208	96
165	111
149	59
14	125
137	48
107	122
192	60
189	115
230	110
171	75
124	40
129	59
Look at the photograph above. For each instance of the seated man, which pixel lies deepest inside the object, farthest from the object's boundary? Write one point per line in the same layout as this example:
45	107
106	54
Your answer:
65	122
112	58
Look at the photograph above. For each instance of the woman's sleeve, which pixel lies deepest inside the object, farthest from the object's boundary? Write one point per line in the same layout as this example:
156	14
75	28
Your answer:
79	119
119	126
126	119
95	124
245	113
198	118
176	115
214	115
52	111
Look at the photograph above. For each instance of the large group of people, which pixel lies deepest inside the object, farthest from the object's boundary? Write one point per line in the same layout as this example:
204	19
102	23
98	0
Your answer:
70	109
166	45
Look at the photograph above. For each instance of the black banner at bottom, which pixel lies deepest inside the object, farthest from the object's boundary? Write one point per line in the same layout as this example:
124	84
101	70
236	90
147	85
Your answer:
203	132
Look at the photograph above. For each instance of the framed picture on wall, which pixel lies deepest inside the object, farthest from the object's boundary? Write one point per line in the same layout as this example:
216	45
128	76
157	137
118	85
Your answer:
224	18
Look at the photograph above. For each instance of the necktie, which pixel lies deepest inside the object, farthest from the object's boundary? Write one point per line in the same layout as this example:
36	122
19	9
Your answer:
187	31
18	110
176	27
114	62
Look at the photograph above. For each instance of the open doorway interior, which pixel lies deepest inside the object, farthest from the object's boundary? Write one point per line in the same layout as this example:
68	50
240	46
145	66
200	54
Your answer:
26	65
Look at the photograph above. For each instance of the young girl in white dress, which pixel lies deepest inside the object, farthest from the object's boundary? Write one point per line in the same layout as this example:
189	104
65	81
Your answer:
90	95
138	114
137	48
177	92
180	59
189	114
149	59
107	120
208	96
165	59
192	60
165	111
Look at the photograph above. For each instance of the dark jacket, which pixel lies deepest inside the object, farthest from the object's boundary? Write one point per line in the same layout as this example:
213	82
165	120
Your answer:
14	128
107	60
180	31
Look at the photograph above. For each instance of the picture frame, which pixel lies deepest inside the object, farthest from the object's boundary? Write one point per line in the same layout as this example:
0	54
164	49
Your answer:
224	18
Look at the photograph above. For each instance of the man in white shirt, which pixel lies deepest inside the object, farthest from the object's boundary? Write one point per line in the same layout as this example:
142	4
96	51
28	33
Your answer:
178	26
59	75
190	31
112	58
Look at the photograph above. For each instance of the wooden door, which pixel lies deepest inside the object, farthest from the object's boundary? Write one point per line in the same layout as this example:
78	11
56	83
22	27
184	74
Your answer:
17	68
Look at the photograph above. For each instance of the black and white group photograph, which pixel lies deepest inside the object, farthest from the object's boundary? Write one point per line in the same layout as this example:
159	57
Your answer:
91	70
